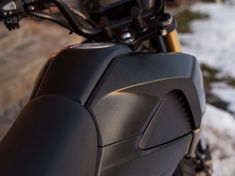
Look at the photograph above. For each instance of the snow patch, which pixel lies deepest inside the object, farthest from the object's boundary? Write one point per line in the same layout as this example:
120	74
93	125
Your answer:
226	93
218	127
221	122
230	2
213	39
213	43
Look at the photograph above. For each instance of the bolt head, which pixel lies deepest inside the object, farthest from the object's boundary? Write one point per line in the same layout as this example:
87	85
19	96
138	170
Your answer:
164	32
31	8
127	37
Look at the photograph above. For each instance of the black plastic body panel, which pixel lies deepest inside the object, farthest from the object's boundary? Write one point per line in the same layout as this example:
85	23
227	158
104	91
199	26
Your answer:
126	158
133	87
53	136
170	118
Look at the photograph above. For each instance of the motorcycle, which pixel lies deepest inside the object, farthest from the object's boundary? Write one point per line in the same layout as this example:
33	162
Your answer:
124	102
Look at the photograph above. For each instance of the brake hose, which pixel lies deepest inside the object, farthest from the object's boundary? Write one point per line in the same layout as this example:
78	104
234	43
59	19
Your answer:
51	18
72	20
69	16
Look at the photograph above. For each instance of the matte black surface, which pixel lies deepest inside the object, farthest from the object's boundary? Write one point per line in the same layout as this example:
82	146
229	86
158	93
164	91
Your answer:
132	88
53	136
197	79
170	122
127	159
75	72
40	76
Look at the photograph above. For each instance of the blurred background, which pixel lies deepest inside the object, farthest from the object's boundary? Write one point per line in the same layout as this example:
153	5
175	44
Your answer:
207	31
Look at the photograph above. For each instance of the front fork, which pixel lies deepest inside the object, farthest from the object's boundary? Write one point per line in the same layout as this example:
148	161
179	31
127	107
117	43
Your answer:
172	42
167	25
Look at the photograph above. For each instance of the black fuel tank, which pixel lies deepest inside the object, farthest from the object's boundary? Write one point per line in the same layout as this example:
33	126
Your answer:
146	107
76	70
142	110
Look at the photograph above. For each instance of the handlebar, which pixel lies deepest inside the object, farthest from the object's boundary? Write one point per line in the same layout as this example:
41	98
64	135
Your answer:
12	11
74	23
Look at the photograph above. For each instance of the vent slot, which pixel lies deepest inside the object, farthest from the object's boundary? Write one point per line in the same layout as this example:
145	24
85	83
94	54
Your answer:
171	121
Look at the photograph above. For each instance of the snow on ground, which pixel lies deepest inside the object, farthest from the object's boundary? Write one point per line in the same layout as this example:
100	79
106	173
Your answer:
213	43
219	129
213	39
226	93
232	2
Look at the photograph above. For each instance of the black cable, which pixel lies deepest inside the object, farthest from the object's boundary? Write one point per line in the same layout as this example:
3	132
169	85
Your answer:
83	17
65	10
75	21
51	18
80	9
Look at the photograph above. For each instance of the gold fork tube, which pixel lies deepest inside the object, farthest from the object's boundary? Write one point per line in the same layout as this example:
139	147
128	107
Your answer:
172	42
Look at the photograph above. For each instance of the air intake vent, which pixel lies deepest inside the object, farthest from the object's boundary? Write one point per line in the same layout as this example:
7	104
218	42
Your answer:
184	106
171	121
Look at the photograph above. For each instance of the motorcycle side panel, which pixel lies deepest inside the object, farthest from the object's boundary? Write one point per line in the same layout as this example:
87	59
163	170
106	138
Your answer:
134	86
146	107
126	158
171	121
